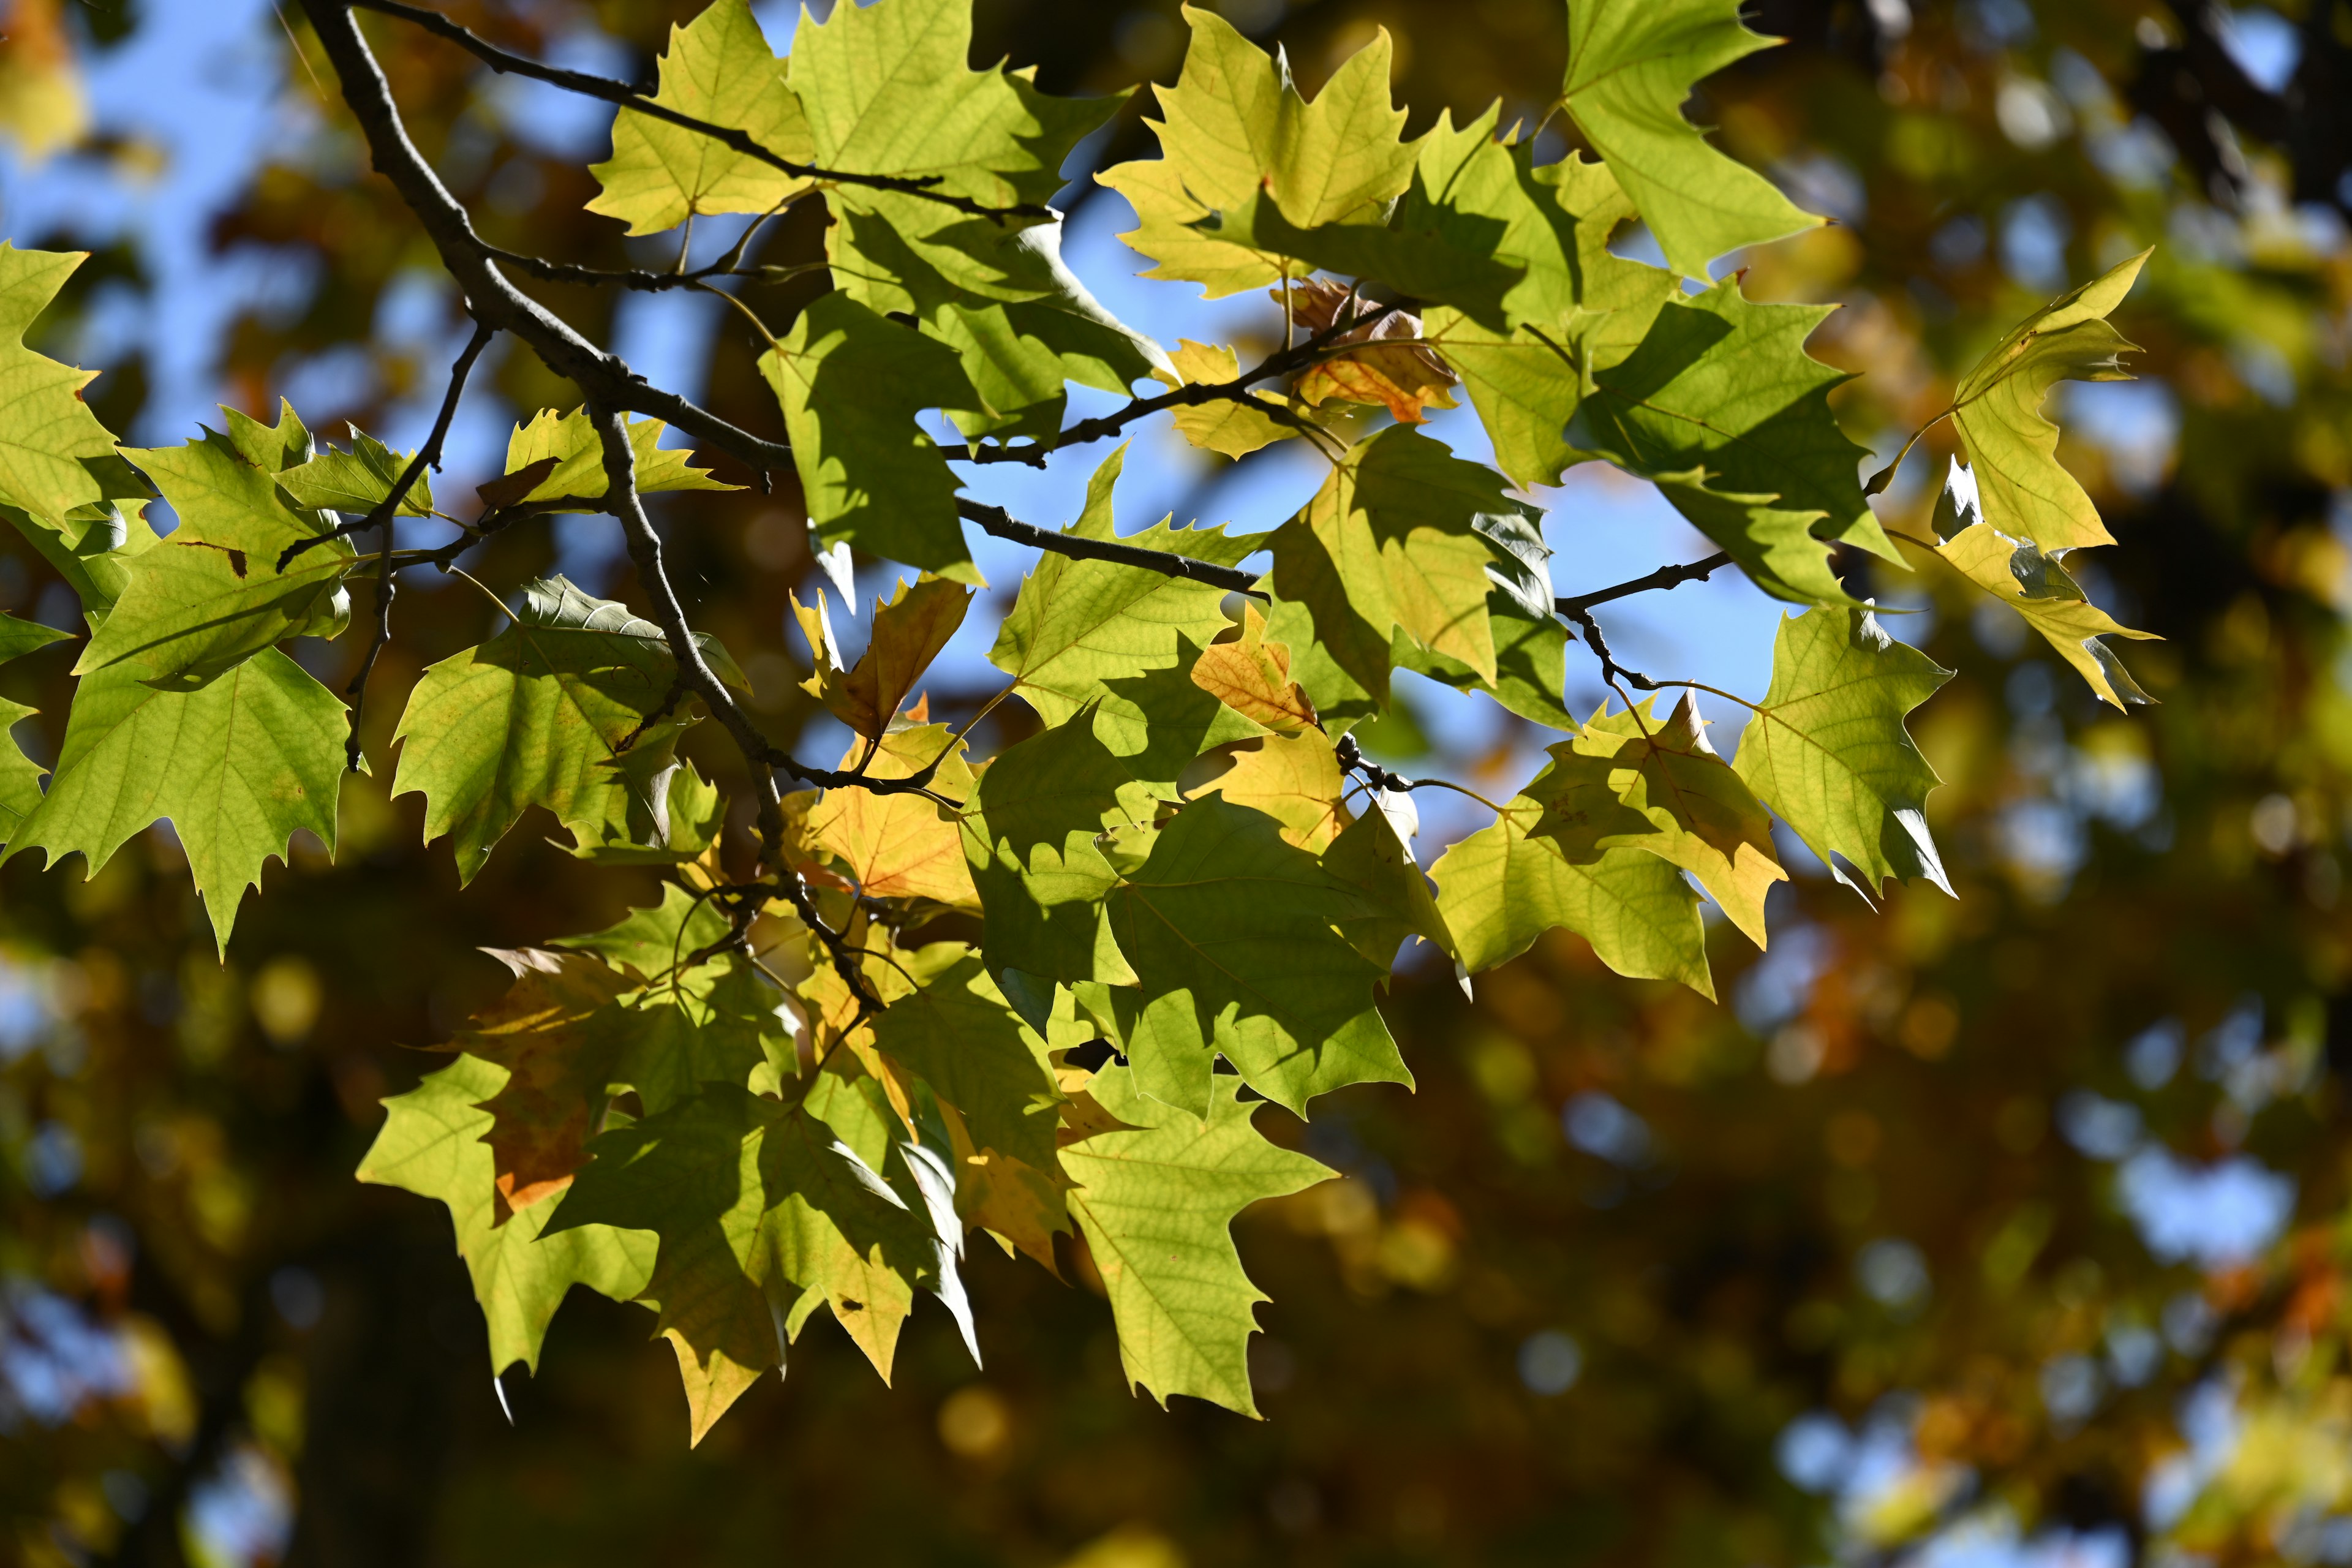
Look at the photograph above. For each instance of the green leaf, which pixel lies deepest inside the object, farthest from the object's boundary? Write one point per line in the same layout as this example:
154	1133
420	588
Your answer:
1156	1201
1723	407
1396	540
1503	887
357	482
211	595
651	940
539	716
869	475
956	1032
2034	584
1446	266
718	1023
578	453
719	68
1698	813
431	1145
1078	626
238	766
1030	838
2012	451
20	776
1228	914
47	434
1233	125
1631	63
1828	751
1530	664
1391	897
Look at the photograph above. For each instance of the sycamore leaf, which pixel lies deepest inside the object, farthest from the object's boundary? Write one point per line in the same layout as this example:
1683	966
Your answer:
1384	363
357	482
20	776
1078	625
956	1032
908	633
1828	751
1392	898
1233	125
670	813
1417	262
2038	588
1156	1201
1504	885
535	716
578	453
1228	916
1031	838
1251	676
1294	778
649	941
718	68
2012	451
1230	428
211	595
47	433
1530	663
1700	813
556	1069
430	1144
1394	540
1631	63
238	766
1577	308
1725	385
900	845
869	475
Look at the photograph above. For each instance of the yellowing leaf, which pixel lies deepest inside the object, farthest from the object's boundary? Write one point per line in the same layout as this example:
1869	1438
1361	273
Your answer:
1631	63
900	845
1231	428
578	452
2012	451
554	1092
1294	778
1252	677
45	432
717	69
908	633
2038	588
1828	751
1702	815
1157	1201
1233	125
43	105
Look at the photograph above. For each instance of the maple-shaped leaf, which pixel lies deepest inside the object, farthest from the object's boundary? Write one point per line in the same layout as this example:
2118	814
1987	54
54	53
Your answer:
2012	451
238	764
1394	540
1228	929
714	1023
1156	1201
1078	625
47	433
211	595
1251	675
1631	65
670	814
1417	263
557	1068
1030	834
1233	125
358	481
1294	778
851	384
1530	664
1700	813
1228	427
1505	886
569	442
1723	407
2036	586
908	633
537	716
717	69
1383	362
1392	898
1828	751
430	1144
650	940
1576	308
752	1200
20	776
900	845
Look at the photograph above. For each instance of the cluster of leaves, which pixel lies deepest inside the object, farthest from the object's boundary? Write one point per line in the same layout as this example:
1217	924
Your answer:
1038	993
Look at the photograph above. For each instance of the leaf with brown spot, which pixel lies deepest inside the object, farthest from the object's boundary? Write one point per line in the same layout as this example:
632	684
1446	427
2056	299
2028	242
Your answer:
1252	677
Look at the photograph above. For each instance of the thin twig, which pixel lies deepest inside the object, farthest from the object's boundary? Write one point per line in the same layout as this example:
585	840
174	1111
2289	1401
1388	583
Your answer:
386	511
997	522
627	97
1611	670
1573	606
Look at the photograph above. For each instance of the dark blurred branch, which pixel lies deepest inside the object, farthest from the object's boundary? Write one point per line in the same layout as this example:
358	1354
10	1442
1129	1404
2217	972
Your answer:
629	98
2197	90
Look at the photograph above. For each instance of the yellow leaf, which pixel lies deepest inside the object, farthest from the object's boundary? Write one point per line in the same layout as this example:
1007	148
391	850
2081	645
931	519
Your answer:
1252	677
1295	779
901	845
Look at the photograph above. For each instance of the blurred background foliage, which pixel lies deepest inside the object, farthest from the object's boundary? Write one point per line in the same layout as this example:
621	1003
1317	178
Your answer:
2009	1229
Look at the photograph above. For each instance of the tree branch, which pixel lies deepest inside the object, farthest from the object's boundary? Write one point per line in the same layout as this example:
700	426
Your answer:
1574	606
629	98
1611	670
1001	525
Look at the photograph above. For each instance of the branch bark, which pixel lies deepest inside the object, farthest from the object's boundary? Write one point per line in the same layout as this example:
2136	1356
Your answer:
1574	606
